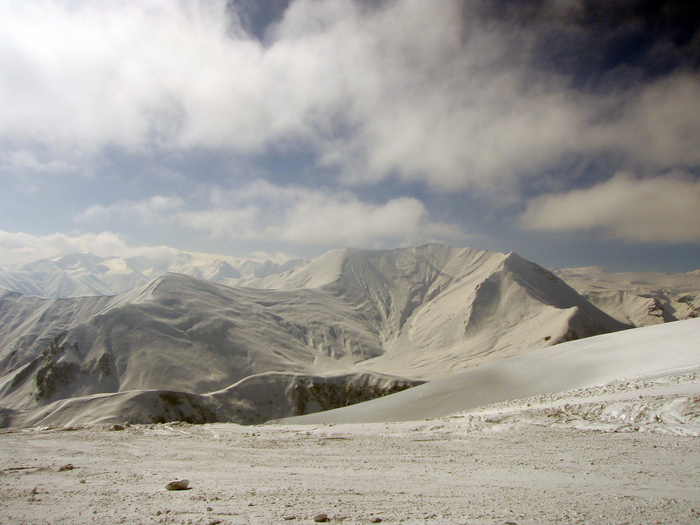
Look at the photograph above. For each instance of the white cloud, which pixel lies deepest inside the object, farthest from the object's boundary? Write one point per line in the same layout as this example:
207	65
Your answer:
659	124
408	90
265	212
147	210
22	162
232	223
19	248
346	221
664	209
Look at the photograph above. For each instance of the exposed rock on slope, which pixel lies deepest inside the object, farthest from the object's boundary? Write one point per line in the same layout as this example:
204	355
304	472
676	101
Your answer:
263	397
253	400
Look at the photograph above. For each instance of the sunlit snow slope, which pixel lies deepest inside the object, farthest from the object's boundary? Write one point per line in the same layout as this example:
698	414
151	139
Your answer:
440	309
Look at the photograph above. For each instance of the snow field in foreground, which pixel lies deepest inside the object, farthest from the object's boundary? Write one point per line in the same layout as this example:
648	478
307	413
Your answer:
624	452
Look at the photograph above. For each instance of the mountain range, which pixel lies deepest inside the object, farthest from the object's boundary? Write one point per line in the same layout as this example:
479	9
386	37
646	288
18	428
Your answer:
86	274
348	326
636	298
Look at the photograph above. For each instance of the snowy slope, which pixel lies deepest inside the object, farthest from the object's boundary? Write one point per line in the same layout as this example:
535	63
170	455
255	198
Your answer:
656	351
176	333
251	269
635	298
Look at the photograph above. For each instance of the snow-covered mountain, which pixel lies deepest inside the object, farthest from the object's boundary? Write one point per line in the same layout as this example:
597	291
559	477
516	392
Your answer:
637	298
251	269
359	316
86	274
440	309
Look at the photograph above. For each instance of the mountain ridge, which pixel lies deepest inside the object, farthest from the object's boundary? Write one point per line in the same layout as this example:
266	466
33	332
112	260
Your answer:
415	314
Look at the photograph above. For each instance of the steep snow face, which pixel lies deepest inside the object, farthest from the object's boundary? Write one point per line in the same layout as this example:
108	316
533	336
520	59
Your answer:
29	324
638	299
389	285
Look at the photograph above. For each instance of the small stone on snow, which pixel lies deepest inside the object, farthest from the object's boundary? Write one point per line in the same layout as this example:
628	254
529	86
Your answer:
181	484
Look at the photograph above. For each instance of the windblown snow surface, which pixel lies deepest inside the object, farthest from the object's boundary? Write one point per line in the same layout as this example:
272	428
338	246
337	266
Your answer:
603	430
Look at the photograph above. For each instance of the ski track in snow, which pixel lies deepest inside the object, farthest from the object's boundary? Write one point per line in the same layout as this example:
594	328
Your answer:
624	452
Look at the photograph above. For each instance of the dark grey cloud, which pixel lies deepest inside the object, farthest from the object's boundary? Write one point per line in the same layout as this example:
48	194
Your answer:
600	43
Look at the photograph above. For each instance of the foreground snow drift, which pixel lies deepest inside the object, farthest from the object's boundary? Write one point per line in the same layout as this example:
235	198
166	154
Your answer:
658	350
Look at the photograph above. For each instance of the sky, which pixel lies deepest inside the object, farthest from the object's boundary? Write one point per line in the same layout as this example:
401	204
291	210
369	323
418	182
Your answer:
567	131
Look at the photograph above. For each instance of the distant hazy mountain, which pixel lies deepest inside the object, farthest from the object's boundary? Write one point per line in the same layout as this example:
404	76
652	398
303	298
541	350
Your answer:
251	269
86	274
73	275
351	319
636	298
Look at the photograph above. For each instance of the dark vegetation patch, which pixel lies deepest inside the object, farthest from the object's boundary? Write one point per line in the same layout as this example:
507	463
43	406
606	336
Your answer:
328	396
181	406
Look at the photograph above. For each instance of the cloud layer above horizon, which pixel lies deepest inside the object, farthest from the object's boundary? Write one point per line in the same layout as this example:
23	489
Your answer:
354	122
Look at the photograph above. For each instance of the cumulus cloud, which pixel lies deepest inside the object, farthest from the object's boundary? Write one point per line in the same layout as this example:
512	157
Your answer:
455	96
663	209
146	211
320	217
19	248
266	212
